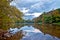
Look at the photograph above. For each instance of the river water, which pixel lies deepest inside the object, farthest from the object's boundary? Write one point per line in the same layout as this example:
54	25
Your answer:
38	32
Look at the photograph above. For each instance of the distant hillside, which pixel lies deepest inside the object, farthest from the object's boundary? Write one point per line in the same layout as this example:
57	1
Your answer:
49	17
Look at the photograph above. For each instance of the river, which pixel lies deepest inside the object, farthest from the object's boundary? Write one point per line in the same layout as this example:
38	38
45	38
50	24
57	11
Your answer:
37	32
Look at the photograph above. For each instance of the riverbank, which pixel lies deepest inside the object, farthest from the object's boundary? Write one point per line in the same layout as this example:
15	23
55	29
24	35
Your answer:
57	23
5	35
51	23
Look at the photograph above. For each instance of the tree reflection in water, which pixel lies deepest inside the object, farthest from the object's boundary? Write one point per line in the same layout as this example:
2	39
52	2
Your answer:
36	32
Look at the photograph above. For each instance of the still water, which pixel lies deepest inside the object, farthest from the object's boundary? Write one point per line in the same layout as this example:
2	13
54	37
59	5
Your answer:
37	32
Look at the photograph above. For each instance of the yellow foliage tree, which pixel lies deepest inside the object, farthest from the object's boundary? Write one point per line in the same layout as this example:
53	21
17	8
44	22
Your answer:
8	15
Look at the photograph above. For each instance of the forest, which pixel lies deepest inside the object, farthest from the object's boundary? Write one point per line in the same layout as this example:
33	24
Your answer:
51	17
9	15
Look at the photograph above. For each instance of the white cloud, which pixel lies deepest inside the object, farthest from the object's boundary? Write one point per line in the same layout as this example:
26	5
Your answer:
24	10
37	14
26	1
13	3
34	14
36	6
35	31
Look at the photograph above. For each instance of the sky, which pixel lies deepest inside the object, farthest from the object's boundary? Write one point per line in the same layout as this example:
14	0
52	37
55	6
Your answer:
35	7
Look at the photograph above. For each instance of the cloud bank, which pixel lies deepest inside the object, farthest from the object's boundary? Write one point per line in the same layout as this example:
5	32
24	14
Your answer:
36	6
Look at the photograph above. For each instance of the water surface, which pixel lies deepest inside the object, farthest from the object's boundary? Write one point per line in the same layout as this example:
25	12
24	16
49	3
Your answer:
38	32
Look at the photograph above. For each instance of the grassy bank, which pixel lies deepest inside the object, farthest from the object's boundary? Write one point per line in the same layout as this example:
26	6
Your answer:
57	23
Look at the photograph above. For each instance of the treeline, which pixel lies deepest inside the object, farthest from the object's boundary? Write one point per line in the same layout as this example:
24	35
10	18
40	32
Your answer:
49	17
8	14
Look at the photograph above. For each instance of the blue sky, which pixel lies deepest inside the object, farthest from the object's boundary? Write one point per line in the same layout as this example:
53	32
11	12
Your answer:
36	7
